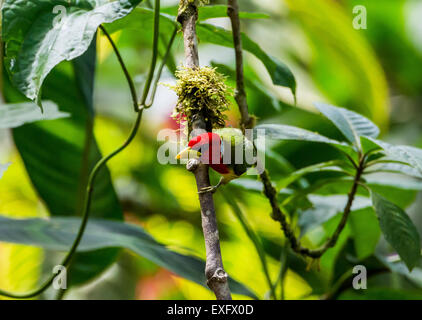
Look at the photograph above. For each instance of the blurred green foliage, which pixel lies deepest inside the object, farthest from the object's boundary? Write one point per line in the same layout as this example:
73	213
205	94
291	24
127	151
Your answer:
375	72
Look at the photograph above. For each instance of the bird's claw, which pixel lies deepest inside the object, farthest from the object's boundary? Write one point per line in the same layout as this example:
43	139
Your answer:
210	189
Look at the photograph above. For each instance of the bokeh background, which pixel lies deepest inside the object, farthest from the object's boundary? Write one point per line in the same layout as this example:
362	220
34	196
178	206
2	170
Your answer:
376	71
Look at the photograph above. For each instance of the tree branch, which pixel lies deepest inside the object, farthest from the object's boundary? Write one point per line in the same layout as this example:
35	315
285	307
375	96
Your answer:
278	215
217	278
240	95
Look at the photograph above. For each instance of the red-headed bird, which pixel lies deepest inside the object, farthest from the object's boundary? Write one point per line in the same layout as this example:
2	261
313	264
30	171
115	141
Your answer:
226	150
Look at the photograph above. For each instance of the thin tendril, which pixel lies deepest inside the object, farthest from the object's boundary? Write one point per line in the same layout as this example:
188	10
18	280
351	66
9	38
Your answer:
154	54
160	70
87	206
101	163
125	70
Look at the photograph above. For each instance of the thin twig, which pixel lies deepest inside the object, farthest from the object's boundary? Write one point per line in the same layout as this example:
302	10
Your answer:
217	278
240	96
270	191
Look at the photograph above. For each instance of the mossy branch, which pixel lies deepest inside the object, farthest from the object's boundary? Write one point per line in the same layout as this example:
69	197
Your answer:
217	278
201	91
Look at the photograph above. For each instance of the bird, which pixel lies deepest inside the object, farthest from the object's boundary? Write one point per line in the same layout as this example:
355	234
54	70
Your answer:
227	151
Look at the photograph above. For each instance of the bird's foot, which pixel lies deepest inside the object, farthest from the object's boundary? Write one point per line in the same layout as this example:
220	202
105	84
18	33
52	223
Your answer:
210	189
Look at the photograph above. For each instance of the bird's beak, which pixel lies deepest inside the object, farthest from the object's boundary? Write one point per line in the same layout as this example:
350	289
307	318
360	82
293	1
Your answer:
188	153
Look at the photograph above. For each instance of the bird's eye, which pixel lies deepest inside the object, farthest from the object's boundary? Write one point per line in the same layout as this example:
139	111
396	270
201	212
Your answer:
203	148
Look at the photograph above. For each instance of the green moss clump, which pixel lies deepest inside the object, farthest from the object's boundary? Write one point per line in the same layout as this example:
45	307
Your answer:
201	91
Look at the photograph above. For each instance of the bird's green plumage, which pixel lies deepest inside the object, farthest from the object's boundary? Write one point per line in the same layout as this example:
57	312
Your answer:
240	149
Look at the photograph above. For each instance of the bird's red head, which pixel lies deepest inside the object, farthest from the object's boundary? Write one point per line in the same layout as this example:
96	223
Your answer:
205	139
209	145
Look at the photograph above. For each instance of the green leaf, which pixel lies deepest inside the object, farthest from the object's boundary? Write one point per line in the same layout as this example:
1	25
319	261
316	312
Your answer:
398	229
394	263
369	145
39	35
366	231
394	180
406	154
285	132
220	11
402	194
16	114
142	19
248	184
325	208
255	89
351	124
397	168
292	177
65	151
58	234
279	72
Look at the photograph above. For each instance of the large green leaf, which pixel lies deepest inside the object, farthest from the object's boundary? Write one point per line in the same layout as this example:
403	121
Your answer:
402	193
59	160
397	168
393	180
38	35
406	154
351	124
142	19
366	231
58	234
296	175
394	263
279	72
325	208
398	229
16	114
285	132
258	93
